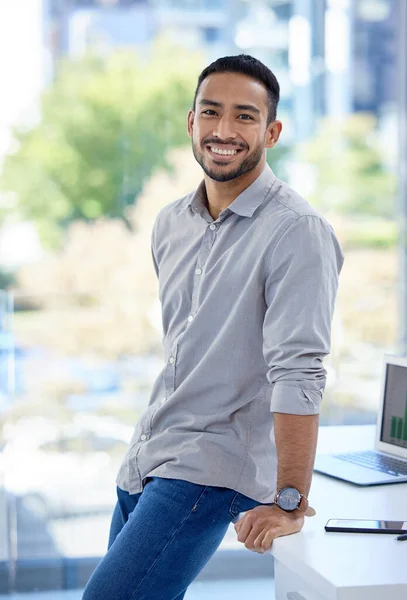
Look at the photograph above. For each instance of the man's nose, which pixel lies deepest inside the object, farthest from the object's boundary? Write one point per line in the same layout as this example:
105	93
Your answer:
225	129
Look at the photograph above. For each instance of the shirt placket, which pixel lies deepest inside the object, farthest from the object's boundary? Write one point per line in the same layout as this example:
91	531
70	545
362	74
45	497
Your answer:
208	241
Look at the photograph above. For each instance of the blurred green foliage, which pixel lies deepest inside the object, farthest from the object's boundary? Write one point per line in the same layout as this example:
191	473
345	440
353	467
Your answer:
349	167
369	232
372	233
106	123
278	159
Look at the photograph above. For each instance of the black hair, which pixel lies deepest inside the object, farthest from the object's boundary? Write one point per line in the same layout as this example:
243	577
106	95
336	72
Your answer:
252	67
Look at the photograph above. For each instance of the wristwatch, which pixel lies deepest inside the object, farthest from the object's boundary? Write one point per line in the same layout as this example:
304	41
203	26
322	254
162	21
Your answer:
289	499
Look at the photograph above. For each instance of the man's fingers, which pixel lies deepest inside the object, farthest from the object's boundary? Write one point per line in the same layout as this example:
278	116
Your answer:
257	544
238	525
268	540
261	540
259	527
253	535
264	539
244	530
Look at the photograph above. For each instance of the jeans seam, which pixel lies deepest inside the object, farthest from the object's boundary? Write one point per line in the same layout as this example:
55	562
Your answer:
193	509
232	504
168	543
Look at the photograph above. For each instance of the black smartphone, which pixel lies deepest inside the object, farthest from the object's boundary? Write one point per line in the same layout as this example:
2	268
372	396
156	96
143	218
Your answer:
364	526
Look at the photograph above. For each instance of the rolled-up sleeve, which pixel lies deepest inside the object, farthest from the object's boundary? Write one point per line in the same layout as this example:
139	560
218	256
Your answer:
302	272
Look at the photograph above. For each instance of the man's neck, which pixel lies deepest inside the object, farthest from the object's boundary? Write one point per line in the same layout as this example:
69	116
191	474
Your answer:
221	194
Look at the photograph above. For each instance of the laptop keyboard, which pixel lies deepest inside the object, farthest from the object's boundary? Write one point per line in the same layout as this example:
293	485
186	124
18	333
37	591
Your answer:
375	461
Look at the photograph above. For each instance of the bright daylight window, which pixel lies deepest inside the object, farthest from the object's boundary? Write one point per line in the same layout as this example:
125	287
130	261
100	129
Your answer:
93	144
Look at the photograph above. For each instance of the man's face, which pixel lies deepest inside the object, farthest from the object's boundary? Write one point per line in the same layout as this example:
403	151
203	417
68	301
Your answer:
229	125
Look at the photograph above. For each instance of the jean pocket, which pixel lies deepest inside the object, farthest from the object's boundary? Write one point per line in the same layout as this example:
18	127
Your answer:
241	503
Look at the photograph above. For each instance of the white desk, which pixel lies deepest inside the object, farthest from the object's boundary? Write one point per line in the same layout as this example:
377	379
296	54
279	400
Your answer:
316	565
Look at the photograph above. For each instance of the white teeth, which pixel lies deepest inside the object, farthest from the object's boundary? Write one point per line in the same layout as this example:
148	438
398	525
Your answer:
225	152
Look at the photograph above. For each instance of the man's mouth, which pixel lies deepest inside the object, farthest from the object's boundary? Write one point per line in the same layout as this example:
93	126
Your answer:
223	153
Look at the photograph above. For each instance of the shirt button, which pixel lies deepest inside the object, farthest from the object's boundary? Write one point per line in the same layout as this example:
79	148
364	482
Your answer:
213	227
172	360
190	318
198	271
143	437
163	400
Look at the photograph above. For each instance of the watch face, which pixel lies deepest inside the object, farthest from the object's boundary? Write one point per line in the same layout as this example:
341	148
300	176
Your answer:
289	499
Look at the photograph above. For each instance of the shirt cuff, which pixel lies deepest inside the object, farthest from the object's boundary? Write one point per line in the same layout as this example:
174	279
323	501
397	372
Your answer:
295	400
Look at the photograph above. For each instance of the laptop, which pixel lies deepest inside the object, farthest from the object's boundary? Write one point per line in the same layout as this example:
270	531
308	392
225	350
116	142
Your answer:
388	462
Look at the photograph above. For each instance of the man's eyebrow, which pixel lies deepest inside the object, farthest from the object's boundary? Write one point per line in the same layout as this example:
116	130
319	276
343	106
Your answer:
210	102
249	107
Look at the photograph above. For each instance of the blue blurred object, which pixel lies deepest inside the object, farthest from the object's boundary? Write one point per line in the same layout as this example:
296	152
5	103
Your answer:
229	589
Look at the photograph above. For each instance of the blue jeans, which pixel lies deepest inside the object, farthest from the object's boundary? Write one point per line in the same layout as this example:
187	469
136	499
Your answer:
161	538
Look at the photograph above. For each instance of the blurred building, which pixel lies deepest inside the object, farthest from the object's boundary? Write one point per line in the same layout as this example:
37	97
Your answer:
330	56
76	25
374	51
203	24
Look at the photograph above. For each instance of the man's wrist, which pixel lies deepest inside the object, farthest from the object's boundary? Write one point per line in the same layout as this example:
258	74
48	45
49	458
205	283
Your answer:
290	499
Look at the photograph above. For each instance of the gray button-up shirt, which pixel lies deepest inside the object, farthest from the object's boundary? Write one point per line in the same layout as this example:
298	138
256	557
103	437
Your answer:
247	304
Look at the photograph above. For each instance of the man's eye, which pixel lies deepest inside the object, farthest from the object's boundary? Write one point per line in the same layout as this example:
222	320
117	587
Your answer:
208	112
245	117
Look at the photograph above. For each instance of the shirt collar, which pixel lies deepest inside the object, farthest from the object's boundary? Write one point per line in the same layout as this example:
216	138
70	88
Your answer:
246	203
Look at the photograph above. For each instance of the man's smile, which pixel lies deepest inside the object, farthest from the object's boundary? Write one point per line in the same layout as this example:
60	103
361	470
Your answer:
223	153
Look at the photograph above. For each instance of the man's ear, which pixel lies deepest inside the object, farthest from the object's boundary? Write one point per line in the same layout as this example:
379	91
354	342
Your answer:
273	133
191	117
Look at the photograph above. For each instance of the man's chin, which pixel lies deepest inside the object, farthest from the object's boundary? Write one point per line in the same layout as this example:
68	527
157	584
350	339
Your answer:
223	173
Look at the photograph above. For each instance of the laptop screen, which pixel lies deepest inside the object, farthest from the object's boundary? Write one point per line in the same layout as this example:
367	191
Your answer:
394	421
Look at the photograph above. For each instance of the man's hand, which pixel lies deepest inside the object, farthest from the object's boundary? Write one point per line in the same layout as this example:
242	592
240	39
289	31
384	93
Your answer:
260	526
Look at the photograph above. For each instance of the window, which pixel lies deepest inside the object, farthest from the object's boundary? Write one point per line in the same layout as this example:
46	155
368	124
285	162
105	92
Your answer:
91	148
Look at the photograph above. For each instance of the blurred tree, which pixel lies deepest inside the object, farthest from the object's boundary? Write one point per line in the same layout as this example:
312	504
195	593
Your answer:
279	160
106	123
100	293
349	168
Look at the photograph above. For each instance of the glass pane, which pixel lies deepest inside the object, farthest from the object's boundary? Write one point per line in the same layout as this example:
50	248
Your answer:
78	396
92	146
7	382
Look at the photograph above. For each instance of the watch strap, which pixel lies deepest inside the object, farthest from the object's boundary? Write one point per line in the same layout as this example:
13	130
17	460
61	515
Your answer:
305	507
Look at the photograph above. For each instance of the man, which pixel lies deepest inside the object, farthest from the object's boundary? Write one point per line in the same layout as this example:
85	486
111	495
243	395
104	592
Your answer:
248	274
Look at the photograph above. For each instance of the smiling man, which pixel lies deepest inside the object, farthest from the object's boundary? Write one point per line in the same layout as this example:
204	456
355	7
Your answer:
232	124
248	275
